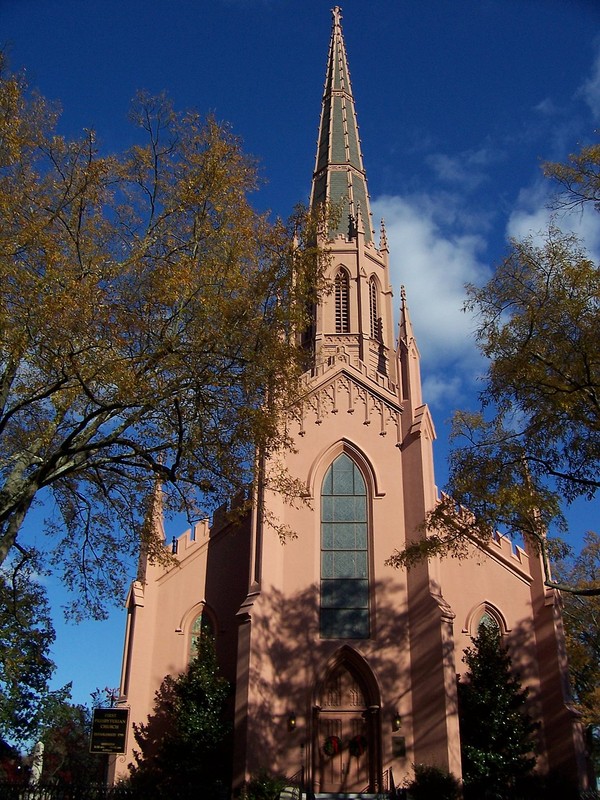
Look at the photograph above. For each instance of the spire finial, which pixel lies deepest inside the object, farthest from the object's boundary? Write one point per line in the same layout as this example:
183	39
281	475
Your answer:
337	14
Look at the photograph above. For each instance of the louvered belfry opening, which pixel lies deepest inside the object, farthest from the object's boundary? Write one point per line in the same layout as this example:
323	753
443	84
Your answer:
342	302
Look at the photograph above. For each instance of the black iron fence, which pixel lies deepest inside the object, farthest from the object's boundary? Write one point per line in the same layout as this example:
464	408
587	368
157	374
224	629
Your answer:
15	791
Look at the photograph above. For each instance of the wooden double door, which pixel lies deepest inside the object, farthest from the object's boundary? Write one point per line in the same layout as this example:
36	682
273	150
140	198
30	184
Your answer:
345	728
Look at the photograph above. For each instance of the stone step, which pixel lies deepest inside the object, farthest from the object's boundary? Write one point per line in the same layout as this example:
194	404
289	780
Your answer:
290	793
351	796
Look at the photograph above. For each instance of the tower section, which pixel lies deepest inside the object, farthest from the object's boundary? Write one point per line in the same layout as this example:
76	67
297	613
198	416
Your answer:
356	318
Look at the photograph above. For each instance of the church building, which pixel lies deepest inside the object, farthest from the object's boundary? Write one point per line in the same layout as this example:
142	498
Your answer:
344	669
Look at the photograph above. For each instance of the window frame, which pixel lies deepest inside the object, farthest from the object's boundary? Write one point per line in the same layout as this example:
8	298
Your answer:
374	308
342	301
345	569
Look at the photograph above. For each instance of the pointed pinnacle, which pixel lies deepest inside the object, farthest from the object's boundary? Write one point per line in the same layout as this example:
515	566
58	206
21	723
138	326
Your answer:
405	327
383	242
360	227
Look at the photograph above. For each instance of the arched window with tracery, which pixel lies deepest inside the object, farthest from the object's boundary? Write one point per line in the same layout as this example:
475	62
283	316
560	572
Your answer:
344	552
342	302
373	310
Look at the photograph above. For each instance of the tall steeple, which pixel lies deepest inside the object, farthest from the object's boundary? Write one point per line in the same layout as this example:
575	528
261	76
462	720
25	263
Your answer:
339	171
354	322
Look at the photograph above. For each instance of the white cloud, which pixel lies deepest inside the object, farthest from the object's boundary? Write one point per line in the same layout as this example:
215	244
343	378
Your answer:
434	261
547	107
463	170
443	390
533	214
590	89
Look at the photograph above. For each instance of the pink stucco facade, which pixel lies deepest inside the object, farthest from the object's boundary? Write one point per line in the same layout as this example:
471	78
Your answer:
392	688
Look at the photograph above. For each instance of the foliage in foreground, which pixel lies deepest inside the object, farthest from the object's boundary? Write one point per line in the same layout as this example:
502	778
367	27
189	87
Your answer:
26	636
433	783
263	786
148	320
66	739
497	734
183	745
534	447
582	634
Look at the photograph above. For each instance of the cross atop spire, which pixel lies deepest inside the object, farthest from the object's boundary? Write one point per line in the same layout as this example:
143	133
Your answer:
339	172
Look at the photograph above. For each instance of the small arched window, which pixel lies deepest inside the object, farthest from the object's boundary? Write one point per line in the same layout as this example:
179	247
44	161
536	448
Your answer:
342	302
344	553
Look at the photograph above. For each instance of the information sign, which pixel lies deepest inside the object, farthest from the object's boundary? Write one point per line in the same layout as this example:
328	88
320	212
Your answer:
109	730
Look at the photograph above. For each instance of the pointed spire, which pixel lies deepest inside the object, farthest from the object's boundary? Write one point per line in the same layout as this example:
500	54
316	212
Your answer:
405	333
339	171
409	359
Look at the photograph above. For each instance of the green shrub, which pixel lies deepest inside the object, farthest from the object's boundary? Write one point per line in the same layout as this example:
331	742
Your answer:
264	787
433	783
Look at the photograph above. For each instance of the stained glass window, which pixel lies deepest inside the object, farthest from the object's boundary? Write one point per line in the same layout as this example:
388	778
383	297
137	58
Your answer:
344	553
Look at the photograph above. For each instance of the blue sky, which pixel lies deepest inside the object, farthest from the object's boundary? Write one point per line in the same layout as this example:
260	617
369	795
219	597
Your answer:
458	104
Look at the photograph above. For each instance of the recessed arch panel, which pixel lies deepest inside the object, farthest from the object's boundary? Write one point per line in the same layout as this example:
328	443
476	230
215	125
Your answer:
479	612
198	620
348	657
341	289
374	308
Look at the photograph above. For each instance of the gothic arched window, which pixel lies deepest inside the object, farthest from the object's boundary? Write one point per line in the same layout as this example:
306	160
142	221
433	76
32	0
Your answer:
344	553
373	315
342	302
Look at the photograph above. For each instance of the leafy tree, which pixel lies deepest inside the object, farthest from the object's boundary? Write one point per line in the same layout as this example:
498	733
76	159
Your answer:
104	697
496	732
11	764
579	178
147	326
182	746
534	447
26	636
66	739
582	633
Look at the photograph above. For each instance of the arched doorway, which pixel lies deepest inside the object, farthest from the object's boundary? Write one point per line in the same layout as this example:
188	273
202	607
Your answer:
346	732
